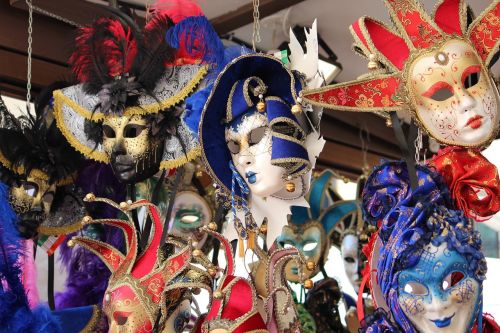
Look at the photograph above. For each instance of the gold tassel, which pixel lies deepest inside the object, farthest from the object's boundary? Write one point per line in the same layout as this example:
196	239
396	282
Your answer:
251	240
241	248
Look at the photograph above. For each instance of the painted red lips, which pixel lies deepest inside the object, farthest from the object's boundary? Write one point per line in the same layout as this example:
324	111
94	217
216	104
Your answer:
475	122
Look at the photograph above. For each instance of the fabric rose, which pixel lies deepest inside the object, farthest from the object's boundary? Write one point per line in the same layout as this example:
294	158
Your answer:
473	181
389	185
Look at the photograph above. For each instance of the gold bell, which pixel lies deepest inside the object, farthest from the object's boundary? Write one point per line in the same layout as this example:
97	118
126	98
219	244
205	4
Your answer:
197	253
212	271
71	243
124	205
89	197
372	64
261	106
296	109
290	187
388	122
212	226
363	237
311	265
86	219
308	284
263	229
217	294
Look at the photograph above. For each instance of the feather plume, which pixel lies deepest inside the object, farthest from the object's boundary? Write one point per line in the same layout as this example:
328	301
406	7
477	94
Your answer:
104	50
33	143
15	313
177	10
156	53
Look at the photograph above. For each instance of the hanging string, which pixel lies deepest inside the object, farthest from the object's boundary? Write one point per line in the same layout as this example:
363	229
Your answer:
418	145
363	133
256	25
30	52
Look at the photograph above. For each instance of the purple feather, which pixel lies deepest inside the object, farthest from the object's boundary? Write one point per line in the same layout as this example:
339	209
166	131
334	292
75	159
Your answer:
87	274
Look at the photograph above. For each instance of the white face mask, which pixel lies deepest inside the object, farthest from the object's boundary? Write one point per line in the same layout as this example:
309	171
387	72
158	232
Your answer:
350	257
453	95
438	294
250	143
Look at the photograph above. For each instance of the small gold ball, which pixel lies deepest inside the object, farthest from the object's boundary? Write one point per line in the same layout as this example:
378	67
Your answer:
212	226
87	219
290	187
212	271
197	253
71	243
388	122
199	174
89	197
363	237
261	106
296	109
311	265
124	205
129	202
217	294
263	229
308	284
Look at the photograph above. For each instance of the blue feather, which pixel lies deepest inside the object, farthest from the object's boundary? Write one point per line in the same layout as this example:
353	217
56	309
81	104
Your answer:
15	313
196	34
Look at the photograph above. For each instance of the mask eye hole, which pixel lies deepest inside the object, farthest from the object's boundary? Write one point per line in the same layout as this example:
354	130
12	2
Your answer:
233	146
133	130
470	76
439	92
48	197
415	288
30	189
452	279
256	135
310	246
286	244
108	132
121	317
349	260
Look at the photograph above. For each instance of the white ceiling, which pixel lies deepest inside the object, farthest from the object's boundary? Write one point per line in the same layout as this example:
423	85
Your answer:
334	18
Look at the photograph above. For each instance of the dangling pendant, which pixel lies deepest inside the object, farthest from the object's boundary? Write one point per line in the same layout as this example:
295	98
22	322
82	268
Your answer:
290	187
261	105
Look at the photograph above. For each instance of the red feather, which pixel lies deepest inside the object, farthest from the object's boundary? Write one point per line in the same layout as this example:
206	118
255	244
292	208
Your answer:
177	10
103	50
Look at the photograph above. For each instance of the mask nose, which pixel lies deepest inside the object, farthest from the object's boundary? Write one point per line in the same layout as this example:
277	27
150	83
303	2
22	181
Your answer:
466	101
439	304
119	148
245	159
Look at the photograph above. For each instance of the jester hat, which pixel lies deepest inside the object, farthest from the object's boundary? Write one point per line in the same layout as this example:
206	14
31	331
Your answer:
321	212
143	287
394	53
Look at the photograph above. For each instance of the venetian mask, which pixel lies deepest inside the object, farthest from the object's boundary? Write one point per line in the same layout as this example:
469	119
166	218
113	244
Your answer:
350	255
191	212
249	140
135	153
439	294
309	239
32	201
453	95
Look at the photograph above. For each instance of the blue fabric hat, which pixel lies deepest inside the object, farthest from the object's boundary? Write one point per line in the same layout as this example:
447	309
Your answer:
234	95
